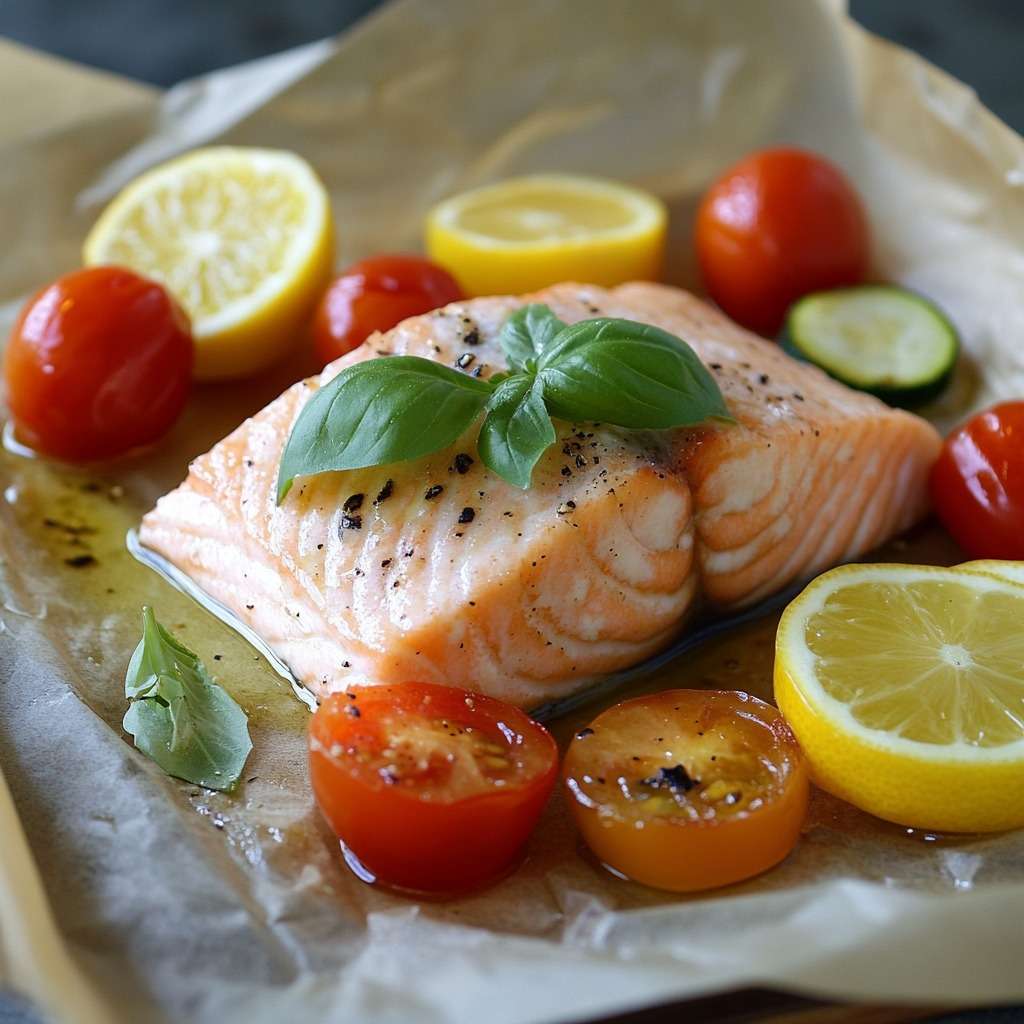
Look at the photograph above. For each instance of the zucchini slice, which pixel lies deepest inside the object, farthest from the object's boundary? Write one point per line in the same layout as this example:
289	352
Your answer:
882	339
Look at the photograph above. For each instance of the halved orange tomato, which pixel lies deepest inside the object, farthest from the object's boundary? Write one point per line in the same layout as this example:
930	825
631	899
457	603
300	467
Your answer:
688	789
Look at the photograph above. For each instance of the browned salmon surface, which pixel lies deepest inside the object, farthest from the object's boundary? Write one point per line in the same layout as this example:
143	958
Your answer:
438	570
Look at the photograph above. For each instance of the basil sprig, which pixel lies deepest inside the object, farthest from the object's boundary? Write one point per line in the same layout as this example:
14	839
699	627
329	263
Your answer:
604	370
179	716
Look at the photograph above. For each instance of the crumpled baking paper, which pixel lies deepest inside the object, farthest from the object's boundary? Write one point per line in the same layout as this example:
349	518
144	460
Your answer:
172	903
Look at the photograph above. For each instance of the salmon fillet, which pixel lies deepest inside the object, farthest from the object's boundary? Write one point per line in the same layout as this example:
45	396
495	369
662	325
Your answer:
438	570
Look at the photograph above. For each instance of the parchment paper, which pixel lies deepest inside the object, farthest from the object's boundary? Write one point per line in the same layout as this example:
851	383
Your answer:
177	904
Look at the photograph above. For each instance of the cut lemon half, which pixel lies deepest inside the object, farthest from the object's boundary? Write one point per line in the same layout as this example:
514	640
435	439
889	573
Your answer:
905	687
241	237
527	233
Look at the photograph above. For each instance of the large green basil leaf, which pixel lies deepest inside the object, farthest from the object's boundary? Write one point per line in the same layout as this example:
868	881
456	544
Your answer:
380	411
627	374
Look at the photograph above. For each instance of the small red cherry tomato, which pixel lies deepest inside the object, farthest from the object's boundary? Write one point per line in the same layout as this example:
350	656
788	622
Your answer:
776	226
374	295
977	484
430	789
98	363
688	789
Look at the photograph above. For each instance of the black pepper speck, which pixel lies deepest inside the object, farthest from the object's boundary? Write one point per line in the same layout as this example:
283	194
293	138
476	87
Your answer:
80	561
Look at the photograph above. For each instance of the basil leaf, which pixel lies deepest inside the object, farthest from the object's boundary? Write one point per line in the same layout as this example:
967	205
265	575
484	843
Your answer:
526	333
380	411
627	374
179	716
517	429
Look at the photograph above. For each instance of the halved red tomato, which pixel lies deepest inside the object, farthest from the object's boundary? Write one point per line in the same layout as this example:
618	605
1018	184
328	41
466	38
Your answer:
430	789
688	789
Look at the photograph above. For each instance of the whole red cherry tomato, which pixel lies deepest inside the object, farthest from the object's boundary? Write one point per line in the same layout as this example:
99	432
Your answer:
778	225
374	295
98	363
429	788
977	484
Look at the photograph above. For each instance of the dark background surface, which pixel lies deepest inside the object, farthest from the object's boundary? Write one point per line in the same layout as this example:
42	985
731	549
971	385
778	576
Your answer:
164	41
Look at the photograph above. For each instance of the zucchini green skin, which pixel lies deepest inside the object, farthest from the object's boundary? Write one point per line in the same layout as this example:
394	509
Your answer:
911	397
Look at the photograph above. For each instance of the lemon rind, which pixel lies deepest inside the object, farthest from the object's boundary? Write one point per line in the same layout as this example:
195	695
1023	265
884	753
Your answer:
1004	569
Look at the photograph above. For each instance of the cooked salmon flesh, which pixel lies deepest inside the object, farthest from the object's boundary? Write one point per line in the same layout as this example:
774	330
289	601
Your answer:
438	570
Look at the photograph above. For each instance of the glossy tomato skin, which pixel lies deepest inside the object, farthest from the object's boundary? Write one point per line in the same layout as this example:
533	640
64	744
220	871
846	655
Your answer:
412	829
741	803
977	483
98	363
374	295
776	226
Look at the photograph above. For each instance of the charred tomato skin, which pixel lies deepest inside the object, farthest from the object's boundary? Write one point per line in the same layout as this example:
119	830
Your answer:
406	820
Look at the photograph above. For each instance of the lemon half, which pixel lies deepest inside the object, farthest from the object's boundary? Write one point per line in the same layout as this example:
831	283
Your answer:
905	687
526	233
241	237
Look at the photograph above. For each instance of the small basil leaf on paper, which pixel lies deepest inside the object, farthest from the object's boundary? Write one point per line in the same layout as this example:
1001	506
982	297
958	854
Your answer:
380	411
628	374
526	334
517	429
179	716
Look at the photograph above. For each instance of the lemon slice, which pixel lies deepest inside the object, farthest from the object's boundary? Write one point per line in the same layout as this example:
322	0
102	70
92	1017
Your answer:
905	687
241	237
527	233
